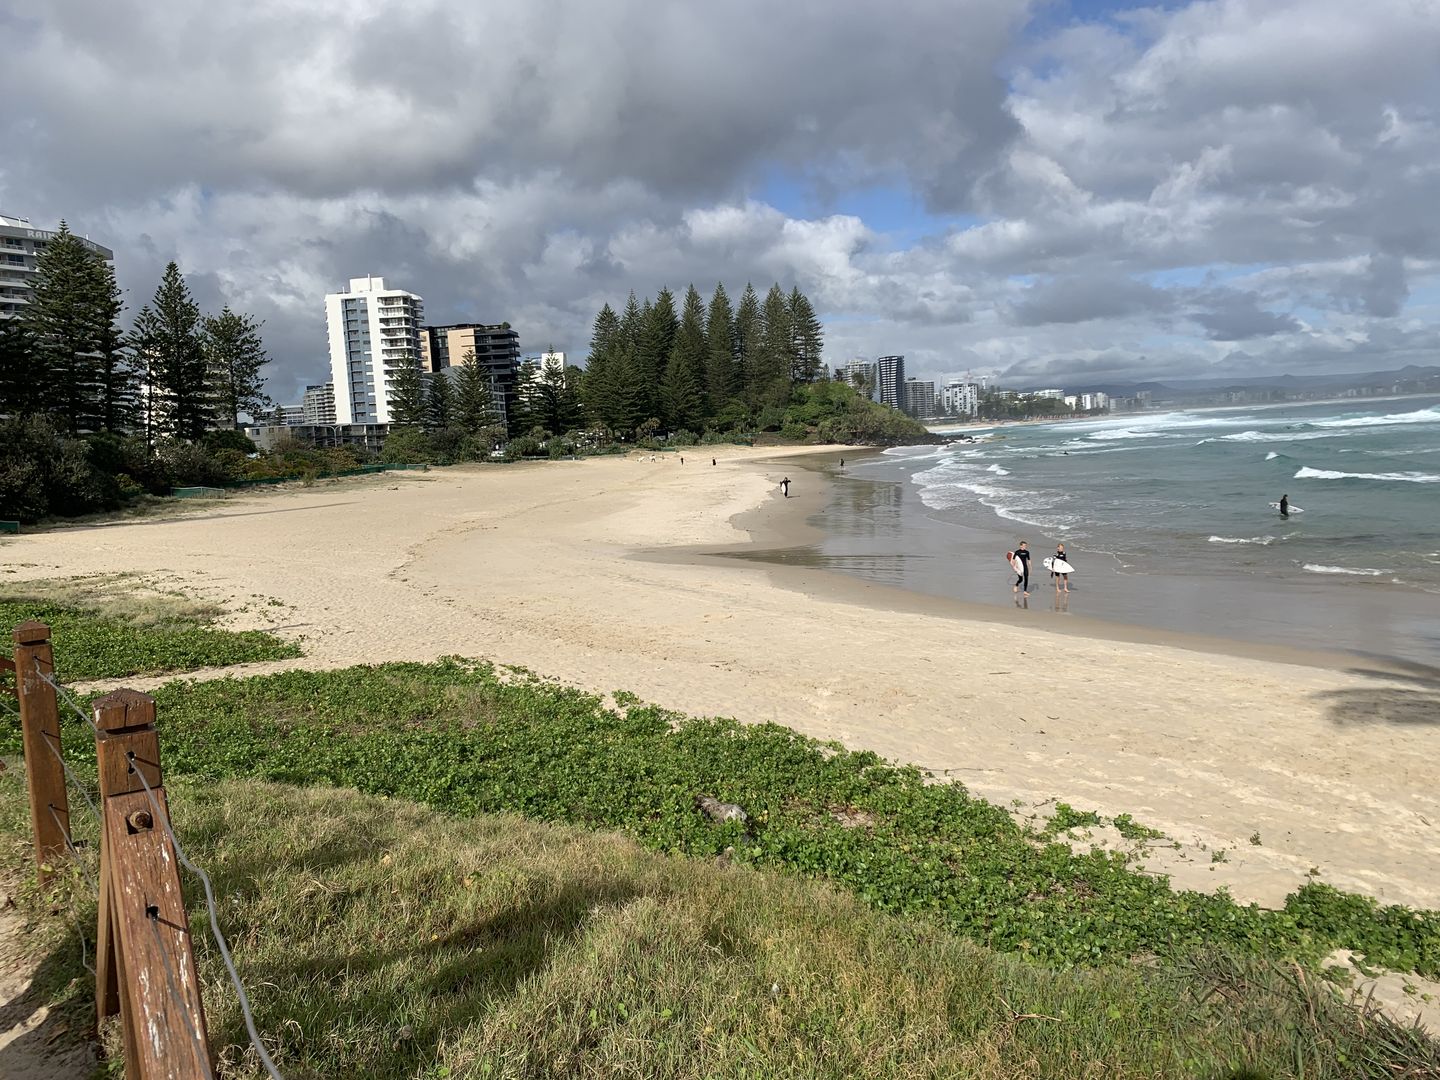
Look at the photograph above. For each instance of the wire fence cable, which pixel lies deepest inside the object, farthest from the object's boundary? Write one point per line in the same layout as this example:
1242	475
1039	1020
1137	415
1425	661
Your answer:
164	819
200	1051
75	781
65	694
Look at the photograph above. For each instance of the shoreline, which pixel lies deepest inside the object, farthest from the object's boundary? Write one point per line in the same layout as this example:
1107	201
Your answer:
772	537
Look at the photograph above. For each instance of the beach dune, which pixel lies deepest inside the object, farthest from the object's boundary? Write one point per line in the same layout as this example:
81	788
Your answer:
604	573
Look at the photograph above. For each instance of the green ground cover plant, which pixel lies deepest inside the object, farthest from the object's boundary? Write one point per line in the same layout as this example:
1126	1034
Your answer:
121	638
464	738
380	938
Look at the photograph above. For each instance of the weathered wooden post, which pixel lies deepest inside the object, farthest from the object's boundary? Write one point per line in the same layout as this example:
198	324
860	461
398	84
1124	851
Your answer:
145	965
40	726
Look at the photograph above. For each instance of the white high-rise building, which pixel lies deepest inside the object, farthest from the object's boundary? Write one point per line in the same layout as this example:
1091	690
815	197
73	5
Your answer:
319	403
861	375
20	246
373	331
961	398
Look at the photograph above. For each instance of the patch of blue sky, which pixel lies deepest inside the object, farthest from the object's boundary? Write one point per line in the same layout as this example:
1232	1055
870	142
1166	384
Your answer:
1213	274
1424	293
1310	316
893	211
1051	15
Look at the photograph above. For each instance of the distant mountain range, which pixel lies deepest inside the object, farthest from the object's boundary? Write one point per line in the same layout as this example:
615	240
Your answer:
1308	384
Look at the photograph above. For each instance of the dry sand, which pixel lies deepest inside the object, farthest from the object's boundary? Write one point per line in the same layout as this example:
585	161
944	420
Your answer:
587	572
35	1044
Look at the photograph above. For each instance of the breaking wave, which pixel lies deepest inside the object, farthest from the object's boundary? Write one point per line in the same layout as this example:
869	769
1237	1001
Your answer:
1307	473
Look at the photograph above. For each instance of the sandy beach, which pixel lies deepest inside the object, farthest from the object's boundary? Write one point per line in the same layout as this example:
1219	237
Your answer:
608	573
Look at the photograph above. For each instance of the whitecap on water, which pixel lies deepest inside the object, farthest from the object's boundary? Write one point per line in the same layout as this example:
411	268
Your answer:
1307	473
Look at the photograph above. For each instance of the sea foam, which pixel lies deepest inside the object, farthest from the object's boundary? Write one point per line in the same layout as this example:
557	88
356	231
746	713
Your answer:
1307	473
1419	416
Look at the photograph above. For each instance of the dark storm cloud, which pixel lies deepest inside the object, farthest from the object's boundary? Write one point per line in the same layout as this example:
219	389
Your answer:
529	160
322	97
1385	289
1074	299
1230	315
1107	365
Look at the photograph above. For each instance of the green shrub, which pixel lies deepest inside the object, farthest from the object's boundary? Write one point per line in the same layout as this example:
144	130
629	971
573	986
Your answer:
43	472
407	446
229	439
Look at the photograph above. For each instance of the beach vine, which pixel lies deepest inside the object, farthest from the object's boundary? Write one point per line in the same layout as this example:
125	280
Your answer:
465	738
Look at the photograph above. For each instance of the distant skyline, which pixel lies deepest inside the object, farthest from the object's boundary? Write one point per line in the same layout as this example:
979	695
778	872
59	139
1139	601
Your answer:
1044	191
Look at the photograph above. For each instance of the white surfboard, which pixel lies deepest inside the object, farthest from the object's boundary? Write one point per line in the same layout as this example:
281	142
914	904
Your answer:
1293	509
1016	563
1058	566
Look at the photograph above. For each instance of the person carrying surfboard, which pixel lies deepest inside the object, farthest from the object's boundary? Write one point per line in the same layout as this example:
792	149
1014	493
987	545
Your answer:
1284	505
1022	575
1060	569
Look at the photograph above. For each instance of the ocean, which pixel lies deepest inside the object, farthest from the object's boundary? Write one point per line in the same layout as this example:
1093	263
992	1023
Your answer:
1165	516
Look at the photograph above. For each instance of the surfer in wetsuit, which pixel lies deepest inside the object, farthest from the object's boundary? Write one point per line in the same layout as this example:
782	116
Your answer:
1058	576
1023	554
1284	505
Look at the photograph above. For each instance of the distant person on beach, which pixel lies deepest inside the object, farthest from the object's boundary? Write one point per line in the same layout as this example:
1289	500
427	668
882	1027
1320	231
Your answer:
1023	554
1284	505
842	463
682	461
1061	578
785	487
712	461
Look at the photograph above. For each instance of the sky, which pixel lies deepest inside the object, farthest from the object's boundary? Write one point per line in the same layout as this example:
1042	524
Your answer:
1047	192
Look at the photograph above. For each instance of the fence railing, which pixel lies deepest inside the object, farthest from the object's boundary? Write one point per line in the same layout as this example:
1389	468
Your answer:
145	961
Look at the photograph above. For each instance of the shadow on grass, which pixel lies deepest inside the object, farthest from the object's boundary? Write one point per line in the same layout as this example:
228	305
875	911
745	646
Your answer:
442	983
59	1046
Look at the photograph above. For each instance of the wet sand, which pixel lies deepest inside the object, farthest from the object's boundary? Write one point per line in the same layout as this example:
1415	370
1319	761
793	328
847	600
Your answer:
876	528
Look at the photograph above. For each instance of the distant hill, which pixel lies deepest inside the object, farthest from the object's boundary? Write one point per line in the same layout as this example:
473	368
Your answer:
1335	381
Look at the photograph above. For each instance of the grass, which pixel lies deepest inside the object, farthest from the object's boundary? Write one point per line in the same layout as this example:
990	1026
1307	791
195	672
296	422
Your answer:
459	737
379	938
114	626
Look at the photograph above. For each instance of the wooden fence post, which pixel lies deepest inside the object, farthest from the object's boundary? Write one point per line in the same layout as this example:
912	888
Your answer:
40	724
145	965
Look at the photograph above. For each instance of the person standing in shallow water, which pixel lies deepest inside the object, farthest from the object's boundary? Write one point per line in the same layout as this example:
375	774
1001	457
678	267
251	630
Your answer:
1284	505
1023	554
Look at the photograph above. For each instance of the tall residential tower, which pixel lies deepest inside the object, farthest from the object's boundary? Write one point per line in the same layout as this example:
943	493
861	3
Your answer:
890	381
374	331
495	347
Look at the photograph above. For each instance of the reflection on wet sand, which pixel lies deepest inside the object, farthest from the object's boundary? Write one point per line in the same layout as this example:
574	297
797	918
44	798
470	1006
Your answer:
890	568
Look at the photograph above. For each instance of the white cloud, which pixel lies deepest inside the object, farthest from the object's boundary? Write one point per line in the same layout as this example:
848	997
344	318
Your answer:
1186	190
